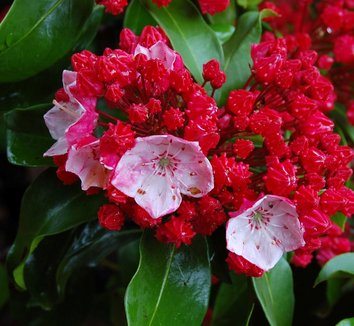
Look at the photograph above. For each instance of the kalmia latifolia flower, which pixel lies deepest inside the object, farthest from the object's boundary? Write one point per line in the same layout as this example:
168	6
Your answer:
326	27
134	124
158	169
262	232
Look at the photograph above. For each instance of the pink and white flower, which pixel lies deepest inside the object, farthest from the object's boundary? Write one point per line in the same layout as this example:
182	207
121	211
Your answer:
70	121
171	59
83	160
263	232
158	169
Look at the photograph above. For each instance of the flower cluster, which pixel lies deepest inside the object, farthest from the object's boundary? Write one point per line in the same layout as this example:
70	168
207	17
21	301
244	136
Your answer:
329	30
300	157
134	124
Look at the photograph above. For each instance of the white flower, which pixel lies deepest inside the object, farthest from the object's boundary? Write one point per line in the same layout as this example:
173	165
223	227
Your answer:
263	232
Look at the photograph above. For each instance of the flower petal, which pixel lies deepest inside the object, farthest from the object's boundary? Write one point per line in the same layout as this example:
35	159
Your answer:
157	186
83	161
262	242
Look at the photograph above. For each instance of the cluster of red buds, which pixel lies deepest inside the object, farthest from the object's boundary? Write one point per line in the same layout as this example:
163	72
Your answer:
134	124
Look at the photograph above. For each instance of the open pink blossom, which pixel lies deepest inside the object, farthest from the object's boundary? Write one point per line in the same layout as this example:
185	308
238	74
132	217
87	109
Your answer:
263	232
83	160
170	59
70	121
158	169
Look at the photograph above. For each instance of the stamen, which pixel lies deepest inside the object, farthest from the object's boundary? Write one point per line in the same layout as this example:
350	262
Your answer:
65	109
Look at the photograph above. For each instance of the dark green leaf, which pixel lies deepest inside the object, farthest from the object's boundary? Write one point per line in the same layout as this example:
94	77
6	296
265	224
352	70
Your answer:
89	247
339	266
189	34
339	116
346	322
232	306
90	29
48	207
36	34
136	17
334	290
4	289
40	267
238	52
340	219
275	293
128	260
27	136
170	287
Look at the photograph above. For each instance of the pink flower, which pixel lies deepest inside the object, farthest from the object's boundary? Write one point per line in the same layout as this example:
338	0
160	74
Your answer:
170	59
83	160
263	232
158	169
70	121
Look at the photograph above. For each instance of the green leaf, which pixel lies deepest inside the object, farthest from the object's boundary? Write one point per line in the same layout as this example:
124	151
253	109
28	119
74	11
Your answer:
339	116
189	34
246	4
36	34
228	16
275	293
48	207
232	306
334	290
170	287
238	52
223	31
27	136
339	219
40	267
136	17
89	247
337	267
346	322
4	289
90	29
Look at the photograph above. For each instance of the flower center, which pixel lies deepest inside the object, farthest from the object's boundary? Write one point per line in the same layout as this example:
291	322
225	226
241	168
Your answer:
164	161
257	217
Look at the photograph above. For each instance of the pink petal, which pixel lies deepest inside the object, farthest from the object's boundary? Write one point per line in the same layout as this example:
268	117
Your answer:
84	161
68	122
265	244
157	188
170	58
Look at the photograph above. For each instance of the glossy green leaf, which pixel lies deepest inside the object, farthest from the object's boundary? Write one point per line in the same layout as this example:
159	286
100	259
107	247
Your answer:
346	322
246	4
48	207
334	290
339	266
27	136
275	293
189	34
238	52
36	34
88	248
4	289
171	286
228	16
223	31
339	116
340	219
40	267
232	306
89	30
136	17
